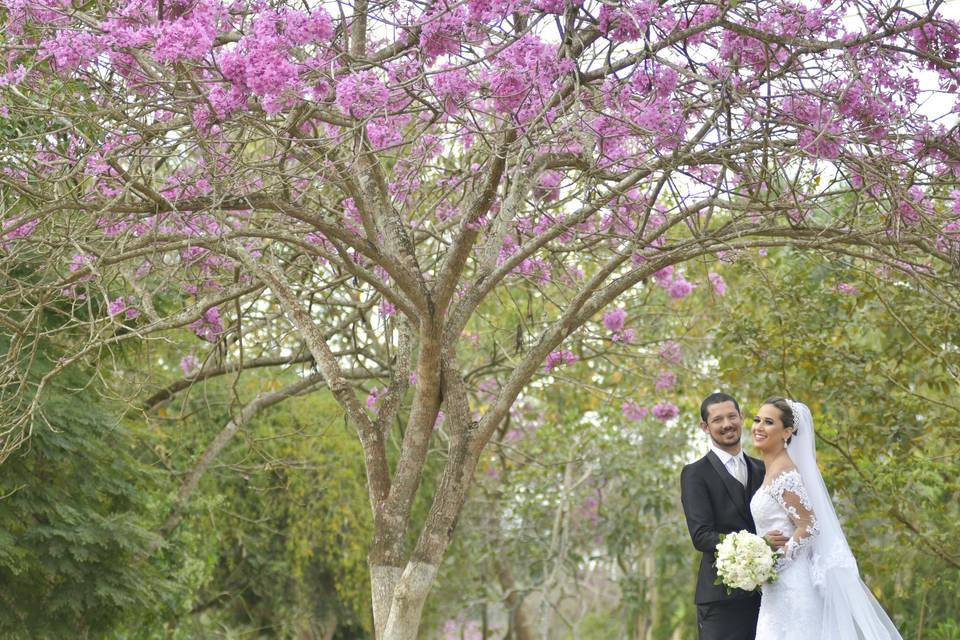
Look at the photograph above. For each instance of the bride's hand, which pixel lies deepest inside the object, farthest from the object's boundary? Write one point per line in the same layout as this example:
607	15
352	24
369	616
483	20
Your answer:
776	539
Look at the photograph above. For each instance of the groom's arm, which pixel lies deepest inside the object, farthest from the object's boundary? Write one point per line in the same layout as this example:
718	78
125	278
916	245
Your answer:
699	511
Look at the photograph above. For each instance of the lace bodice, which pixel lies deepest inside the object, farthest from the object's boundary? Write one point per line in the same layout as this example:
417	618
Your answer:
784	504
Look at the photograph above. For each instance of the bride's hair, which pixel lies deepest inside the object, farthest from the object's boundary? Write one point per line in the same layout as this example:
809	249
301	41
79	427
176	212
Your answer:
786	413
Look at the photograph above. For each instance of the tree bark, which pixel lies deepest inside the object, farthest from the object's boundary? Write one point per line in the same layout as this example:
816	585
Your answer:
383	584
408	600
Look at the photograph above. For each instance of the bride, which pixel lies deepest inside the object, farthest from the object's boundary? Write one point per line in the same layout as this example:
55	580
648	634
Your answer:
818	594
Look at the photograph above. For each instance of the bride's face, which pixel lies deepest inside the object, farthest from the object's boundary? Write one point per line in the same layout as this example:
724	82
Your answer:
768	431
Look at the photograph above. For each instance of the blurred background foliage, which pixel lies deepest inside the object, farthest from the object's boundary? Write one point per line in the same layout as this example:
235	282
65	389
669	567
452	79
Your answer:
574	528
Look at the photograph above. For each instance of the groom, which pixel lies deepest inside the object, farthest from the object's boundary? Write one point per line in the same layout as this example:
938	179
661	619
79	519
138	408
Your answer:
716	492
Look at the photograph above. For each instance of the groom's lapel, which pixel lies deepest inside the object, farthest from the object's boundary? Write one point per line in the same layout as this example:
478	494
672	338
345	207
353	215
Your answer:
734	489
755	476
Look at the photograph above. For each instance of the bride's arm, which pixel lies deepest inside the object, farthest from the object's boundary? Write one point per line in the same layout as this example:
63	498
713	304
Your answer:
794	500
803	518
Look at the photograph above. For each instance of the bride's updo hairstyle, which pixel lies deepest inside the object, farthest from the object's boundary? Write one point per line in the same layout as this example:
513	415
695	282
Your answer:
786	414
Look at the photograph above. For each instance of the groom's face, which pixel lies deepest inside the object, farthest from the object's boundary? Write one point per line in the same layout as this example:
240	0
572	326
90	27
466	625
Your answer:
724	425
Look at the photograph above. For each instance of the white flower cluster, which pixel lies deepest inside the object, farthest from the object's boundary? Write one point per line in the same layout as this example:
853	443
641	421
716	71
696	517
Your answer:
745	561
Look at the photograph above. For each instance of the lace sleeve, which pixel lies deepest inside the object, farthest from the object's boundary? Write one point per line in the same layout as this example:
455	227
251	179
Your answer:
789	491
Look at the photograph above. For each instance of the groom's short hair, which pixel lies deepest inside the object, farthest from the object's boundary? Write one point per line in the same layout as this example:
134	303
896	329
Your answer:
716	398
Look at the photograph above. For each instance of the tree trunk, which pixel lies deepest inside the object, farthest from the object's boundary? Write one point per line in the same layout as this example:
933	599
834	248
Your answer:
408	600
514	602
383	583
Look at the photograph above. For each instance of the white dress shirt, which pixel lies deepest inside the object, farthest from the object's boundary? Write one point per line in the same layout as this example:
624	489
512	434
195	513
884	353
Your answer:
729	464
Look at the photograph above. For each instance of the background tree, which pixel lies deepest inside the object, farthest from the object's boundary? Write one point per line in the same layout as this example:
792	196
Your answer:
266	176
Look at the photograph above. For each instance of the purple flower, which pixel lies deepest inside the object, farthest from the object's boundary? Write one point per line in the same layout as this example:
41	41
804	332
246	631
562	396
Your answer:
719	286
117	306
559	358
664	276
387	309
18	228
442	32
80	261
847	289
362	94
633	411
189	364
613	320
209	326
372	398
488	389
670	352
680	288
665	411
665	380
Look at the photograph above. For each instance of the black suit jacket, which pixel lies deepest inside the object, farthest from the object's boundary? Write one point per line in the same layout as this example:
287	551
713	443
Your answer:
714	502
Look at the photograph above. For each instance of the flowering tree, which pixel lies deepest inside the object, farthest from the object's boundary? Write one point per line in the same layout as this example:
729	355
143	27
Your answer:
345	185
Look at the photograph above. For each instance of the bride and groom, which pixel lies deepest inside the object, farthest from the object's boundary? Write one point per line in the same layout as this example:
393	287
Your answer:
818	594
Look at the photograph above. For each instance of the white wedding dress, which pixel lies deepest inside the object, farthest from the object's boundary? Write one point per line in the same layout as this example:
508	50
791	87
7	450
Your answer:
818	594
791	607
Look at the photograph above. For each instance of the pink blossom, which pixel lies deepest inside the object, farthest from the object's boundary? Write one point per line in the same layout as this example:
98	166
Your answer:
301	27
17	229
442	31
680	288
633	411
488	389
665	380
524	77
719	286
627	22
665	411
847	289
559	358
124	306
613	320
513	435
72	50
189	364
373	397
453	87
13	77
548	186
556	6
119	305
387	309
188	37
209	326
362	94
664	276
670	352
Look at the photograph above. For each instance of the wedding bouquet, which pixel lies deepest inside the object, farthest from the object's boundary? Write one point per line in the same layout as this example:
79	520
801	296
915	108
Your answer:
745	561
